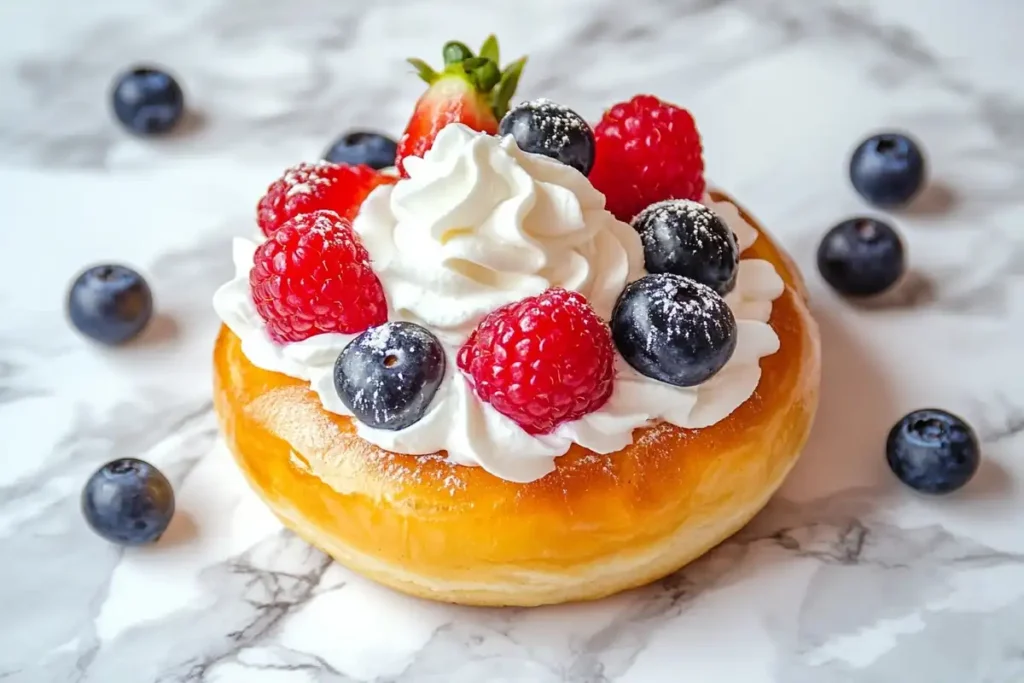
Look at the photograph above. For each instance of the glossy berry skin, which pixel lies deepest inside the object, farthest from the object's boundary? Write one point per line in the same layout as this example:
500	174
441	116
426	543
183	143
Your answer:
861	257
110	304
148	101
128	502
317	187
543	127
541	361
313	276
673	329
647	151
683	237
888	169
363	148
387	376
933	451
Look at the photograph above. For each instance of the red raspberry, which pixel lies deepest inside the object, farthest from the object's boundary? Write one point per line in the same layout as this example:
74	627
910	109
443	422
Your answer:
647	151
313	275
313	187
542	361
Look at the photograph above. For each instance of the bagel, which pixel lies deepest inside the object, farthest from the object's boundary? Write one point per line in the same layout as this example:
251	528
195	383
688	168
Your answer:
596	525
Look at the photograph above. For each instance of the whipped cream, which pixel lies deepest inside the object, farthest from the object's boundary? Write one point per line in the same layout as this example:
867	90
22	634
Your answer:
478	224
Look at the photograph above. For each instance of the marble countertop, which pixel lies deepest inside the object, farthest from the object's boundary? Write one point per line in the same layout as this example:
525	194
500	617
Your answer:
846	577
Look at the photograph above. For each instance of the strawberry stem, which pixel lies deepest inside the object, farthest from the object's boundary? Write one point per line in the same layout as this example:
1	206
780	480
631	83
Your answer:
489	50
423	70
483	72
455	52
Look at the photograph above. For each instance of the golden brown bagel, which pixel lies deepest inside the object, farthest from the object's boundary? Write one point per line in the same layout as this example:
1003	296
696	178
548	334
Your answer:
596	525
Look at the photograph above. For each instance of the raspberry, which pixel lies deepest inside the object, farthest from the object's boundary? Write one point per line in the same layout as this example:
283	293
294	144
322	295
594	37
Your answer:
314	187
312	276
647	151
542	361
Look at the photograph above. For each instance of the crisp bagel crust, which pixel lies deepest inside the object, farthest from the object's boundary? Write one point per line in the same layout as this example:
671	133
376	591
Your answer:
597	525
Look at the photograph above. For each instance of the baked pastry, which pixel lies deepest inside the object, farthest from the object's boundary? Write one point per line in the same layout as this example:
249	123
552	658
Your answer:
442	480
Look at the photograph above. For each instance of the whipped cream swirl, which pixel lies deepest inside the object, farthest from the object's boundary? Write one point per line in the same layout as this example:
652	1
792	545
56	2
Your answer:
478	224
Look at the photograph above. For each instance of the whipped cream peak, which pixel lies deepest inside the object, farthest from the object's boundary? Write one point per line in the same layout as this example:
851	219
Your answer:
479	224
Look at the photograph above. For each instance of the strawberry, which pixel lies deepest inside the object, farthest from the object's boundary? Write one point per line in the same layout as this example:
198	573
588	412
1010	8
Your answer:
472	90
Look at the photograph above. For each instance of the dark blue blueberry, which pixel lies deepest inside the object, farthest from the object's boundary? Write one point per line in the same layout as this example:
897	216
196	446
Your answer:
888	169
933	451
363	147
543	127
861	257
686	238
148	101
128	502
110	304
673	329
388	375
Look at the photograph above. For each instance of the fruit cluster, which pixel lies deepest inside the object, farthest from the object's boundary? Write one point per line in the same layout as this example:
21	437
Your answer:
547	359
541	361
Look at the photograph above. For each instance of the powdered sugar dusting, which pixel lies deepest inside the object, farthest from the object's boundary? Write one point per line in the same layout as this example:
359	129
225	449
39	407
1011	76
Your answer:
689	309
561	124
654	435
441	473
379	338
705	227
304	178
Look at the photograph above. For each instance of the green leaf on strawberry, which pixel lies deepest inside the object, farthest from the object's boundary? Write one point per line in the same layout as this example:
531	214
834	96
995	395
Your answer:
472	90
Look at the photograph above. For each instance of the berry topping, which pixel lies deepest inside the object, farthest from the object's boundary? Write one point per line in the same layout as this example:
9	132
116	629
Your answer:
128	502
314	276
110	304
387	376
673	329
317	187
543	127
861	257
361	147
683	237
148	101
647	151
888	169
542	361
471	90
933	451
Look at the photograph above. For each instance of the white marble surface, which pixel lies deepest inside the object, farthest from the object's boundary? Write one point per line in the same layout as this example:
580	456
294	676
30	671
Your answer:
847	577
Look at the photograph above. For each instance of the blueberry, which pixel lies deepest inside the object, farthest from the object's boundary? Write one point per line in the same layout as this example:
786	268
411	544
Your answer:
148	101
888	169
110	304
861	257
388	375
686	238
543	127
361	147
673	329
933	451
128	502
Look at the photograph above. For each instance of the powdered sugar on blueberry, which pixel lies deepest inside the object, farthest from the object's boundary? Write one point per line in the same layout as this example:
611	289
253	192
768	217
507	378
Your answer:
674	329
686	238
545	127
388	375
